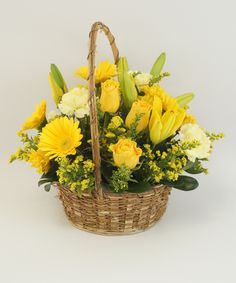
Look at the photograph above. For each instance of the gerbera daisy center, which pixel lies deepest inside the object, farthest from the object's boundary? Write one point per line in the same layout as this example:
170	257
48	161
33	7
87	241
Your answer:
66	143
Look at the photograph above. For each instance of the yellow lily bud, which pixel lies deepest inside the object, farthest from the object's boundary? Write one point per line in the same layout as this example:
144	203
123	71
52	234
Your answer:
110	96
139	108
128	89
167	120
57	92
180	116
155	125
126	152
155	128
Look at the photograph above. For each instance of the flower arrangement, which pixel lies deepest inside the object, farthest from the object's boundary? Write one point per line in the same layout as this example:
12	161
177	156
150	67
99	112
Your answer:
147	137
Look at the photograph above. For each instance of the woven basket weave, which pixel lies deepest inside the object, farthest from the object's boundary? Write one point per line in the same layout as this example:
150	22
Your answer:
105	212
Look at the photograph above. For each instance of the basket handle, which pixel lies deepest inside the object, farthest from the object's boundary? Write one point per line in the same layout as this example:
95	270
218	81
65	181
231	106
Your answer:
98	26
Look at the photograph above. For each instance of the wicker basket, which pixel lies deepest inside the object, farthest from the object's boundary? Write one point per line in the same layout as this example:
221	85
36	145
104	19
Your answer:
105	212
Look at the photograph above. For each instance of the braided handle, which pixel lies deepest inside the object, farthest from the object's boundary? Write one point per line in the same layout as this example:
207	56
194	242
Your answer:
98	26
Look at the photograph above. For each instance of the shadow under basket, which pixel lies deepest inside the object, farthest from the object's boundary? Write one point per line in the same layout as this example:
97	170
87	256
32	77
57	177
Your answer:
115	214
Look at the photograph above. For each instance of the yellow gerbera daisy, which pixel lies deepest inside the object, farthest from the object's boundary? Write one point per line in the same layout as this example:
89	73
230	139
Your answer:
37	117
60	138
105	71
39	160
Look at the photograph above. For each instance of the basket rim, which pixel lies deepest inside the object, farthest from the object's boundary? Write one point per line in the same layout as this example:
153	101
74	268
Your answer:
117	195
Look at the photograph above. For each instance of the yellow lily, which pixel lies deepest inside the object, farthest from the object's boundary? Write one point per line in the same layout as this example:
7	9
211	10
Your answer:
163	126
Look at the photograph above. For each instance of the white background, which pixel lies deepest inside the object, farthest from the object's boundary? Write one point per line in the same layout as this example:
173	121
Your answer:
195	241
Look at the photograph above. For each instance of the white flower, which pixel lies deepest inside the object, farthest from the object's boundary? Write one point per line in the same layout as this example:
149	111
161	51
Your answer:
75	102
142	79
52	115
191	132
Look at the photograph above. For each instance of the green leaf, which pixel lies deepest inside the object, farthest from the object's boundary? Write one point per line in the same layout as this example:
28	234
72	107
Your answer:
139	187
43	181
158	65
194	167
49	177
184	99
127	85
184	183
47	187
57	77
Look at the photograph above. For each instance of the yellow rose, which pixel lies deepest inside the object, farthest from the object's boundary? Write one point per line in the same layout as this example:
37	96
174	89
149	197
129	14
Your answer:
141	108
110	96
126	152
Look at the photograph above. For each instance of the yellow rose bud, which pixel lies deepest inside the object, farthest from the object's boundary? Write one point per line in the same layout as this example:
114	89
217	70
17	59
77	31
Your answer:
110	96
126	152
139	108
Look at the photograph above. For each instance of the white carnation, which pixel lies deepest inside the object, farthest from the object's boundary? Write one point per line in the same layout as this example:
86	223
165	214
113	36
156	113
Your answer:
191	132
142	79
51	115
75	102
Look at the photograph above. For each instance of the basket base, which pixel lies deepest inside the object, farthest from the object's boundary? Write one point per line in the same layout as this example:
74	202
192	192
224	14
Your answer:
115	214
110	233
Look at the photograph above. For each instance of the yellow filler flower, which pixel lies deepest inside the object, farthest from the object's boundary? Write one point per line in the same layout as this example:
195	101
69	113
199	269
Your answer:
60	138
37	117
105	71
126	152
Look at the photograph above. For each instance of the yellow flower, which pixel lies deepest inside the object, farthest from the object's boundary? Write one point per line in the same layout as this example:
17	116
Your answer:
105	71
189	119
126	152
60	138
37	117
115	122
168	102
139	108
110	96
40	161
163	126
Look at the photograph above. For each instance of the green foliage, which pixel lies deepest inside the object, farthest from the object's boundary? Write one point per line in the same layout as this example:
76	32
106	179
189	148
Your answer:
195	167
157	79
132	133
139	187
47	179
158	65
57	76
184	183
184	99
120	179
127	85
